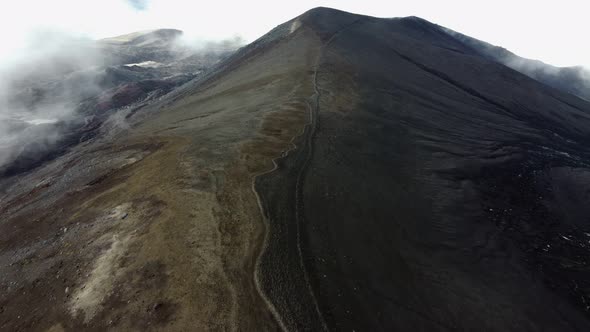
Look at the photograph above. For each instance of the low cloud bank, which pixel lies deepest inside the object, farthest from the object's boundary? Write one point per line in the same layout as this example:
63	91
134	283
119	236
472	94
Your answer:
58	80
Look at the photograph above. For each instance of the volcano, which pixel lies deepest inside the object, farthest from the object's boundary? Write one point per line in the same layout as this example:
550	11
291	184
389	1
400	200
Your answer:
342	172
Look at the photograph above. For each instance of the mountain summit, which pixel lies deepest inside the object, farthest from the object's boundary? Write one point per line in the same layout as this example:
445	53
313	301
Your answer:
342	172
143	37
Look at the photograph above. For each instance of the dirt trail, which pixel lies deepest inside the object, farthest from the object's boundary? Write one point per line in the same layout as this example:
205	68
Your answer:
306	147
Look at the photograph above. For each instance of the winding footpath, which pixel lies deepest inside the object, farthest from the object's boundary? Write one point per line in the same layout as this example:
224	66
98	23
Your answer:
310	128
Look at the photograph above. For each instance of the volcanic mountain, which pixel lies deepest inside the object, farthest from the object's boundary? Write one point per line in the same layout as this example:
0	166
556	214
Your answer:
65	98
342	172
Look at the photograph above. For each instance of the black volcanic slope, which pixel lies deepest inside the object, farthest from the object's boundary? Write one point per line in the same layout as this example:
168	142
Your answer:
434	189
574	80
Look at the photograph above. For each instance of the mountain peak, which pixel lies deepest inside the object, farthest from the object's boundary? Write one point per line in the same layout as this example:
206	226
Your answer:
326	21
145	36
325	11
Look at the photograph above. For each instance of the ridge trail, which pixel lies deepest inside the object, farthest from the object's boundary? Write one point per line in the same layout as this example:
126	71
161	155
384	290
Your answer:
314	107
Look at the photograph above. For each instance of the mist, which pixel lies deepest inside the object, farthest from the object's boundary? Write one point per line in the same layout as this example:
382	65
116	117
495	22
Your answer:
575	80
59	81
41	85
59	88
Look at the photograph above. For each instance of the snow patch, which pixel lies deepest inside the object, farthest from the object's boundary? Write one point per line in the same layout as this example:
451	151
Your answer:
145	64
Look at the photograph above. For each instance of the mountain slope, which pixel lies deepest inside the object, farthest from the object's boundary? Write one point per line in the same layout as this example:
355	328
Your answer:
429	192
157	226
343	172
574	80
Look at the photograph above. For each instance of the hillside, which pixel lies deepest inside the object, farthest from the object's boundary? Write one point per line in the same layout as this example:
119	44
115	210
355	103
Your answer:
342	172
574	80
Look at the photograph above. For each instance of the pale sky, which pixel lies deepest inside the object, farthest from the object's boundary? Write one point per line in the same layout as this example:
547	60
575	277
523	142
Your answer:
555	32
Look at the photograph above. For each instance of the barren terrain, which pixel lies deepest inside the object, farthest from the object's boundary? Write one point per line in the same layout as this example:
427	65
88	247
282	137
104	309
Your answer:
342	172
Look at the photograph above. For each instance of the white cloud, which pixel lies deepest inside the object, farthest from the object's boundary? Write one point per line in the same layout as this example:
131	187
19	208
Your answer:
139	4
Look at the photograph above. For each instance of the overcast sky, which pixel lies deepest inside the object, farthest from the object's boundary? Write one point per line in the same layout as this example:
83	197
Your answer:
552	31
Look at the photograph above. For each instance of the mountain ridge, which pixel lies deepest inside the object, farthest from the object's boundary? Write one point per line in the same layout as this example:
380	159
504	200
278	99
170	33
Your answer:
574	79
342	172
474	132
139	36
